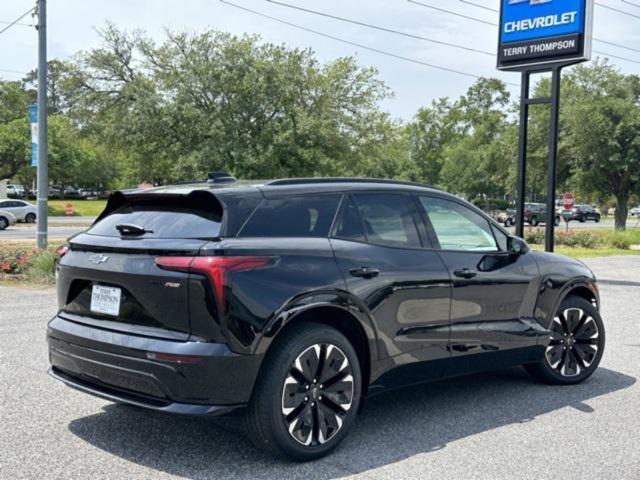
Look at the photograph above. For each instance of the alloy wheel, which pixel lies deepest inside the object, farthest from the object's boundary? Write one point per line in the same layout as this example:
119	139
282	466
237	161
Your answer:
574	342
3	223
317	394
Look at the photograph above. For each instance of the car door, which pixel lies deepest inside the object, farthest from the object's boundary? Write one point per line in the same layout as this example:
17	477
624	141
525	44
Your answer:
20	209
494	292
398	279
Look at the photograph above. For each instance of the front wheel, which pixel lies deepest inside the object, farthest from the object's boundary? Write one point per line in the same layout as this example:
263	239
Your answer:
4	223
307	395
534	221
576	344
597	219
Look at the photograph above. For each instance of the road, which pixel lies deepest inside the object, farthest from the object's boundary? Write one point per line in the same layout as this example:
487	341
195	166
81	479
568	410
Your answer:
60	228
501	425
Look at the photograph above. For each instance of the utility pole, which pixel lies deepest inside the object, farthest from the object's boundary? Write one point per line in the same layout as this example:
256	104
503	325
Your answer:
43	173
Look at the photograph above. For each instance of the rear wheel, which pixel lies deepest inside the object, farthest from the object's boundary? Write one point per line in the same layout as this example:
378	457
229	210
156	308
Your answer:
30	218
307	395
4	223
534	221
597	219
576	344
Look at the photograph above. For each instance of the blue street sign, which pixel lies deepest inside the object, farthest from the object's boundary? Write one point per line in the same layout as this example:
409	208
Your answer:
534	32
33	119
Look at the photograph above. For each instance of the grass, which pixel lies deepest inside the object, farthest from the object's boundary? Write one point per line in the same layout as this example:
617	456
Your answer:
84	208
575	252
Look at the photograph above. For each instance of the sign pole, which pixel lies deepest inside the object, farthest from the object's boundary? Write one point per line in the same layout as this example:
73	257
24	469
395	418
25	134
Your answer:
522	153
43	174
549	242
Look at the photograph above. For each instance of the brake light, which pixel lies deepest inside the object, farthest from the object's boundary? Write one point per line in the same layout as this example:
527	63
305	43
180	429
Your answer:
215	268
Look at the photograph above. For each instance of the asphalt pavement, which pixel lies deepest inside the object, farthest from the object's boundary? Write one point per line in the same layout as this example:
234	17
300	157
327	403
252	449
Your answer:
501	425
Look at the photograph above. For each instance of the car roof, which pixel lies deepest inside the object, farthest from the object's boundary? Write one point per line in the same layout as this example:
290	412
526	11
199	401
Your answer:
291	186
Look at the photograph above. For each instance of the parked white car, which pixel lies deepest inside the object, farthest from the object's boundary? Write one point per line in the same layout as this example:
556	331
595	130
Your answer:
6	219
23	211
15	191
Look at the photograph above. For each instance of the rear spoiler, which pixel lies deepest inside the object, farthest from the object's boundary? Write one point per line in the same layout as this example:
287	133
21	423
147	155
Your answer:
202	200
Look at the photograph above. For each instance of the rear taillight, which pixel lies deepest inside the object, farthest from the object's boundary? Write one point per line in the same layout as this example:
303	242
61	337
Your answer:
62	251
215	268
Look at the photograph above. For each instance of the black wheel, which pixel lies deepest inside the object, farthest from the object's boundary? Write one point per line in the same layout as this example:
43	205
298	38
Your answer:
597	219
30	217
556	221
576	344
307	395
534	221
582	219
4	223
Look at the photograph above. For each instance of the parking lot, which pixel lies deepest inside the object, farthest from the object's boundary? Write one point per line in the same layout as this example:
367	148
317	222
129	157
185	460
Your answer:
498	425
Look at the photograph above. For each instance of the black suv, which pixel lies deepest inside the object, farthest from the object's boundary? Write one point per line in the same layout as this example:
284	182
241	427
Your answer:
293	300
582	213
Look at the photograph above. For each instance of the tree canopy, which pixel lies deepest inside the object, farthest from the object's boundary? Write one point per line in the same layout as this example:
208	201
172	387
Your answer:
135	110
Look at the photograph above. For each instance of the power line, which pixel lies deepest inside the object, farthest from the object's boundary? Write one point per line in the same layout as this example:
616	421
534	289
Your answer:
383	29
12	71
475	19
637	5
5	22
15	22
615	56
425	5
484	7
617	10
359	45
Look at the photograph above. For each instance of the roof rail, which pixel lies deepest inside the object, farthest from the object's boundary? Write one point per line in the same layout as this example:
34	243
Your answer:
320	180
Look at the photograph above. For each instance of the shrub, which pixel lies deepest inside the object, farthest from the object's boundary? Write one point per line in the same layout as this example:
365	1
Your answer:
619	240
534	236
14	261
578	239
42	266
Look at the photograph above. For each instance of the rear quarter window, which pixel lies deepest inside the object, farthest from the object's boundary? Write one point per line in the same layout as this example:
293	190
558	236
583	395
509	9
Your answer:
293	216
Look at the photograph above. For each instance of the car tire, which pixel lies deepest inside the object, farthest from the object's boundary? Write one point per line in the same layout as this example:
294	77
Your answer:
4	223
582	219
597	219
297	417
556	221
576	344
534	221
30	217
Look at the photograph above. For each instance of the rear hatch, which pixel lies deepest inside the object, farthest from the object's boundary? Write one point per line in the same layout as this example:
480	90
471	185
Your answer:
109	277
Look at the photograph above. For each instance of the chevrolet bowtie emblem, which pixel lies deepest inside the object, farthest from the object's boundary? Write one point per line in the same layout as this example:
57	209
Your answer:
98	258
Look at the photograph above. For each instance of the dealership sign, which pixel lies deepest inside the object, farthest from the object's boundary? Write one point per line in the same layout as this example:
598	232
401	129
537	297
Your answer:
539	32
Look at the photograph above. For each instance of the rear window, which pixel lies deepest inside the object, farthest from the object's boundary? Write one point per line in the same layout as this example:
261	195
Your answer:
294	216
168	218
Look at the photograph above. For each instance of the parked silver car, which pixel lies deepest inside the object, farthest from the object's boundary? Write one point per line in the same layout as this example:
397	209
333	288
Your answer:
6	219
23	211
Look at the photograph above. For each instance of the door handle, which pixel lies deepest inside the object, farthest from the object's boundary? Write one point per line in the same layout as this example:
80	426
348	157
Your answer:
465	273
364	272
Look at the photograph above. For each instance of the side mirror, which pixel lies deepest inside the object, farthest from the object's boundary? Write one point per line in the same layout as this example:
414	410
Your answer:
517	246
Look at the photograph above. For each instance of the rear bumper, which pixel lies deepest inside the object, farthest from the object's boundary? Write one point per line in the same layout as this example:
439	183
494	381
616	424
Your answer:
116	366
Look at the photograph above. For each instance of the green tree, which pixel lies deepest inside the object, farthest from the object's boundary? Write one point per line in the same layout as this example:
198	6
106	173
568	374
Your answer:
602	113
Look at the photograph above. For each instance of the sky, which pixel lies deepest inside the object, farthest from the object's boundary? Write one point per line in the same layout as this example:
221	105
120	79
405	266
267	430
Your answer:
72	27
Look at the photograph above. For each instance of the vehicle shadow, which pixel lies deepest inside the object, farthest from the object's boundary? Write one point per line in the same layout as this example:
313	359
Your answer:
394	426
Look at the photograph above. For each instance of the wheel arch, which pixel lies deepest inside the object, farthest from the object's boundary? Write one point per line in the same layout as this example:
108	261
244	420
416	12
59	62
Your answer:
347	319
581	289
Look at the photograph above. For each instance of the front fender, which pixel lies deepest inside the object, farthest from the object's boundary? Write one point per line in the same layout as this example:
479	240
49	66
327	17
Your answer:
560	276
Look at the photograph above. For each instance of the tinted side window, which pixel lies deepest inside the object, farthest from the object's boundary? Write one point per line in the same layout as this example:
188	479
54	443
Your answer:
387	220
349	225
457	227
293	216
